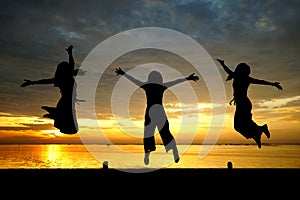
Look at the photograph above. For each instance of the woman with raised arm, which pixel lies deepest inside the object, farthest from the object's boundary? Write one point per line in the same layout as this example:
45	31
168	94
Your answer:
155	115
64	114
243	122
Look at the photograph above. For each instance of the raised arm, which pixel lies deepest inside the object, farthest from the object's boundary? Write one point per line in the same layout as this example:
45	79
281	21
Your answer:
264	82
42	81
119	71
71	58
76	72
227	70
180	80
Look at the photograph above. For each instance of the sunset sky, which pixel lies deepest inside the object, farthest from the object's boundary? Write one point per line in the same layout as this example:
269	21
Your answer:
34	35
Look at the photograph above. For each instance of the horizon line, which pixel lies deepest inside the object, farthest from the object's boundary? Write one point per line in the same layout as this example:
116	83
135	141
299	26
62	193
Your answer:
108	144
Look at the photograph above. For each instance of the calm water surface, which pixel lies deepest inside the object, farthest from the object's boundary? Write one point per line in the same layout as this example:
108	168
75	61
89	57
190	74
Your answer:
131	156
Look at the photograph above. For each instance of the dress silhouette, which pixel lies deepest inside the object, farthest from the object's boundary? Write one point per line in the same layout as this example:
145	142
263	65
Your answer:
64	114
243	122
155	115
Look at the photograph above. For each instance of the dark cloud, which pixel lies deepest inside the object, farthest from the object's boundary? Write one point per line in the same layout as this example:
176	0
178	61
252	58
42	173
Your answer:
34	35
48	26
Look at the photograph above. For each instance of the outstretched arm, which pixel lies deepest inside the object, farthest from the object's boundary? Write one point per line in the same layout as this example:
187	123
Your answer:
119	71
42	81
263	82
227	70
180	80
51	80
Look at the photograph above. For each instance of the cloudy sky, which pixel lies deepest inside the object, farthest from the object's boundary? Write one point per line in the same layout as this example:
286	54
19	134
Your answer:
34	36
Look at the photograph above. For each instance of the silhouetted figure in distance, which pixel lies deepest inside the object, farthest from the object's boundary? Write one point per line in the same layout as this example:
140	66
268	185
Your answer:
64	114
243	122
155	115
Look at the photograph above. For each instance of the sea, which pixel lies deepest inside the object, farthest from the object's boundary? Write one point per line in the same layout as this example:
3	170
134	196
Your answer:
123	157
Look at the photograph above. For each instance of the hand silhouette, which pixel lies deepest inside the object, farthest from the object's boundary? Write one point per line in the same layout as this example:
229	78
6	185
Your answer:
26	83
192	77
277	84
119	71
220	61
69	49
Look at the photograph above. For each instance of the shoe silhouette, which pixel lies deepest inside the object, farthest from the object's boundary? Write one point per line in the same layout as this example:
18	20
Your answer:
146	158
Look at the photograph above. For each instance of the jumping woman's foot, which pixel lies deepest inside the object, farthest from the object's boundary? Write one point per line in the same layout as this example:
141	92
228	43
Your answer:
257	139
50	110
146	158
50	116
266	130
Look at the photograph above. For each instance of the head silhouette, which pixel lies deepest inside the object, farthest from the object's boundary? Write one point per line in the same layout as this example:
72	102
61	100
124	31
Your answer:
242	70
155	77
63	71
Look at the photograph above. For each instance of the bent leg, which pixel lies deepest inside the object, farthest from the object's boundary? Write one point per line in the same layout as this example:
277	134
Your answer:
247	127
266	131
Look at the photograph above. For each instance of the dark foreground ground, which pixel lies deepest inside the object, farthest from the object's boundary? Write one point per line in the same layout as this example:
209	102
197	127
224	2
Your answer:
243	183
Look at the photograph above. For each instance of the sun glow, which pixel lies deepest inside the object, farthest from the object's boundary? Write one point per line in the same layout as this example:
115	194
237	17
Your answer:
52	133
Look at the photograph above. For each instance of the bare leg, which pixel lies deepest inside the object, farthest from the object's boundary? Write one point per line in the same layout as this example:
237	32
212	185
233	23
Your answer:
257	138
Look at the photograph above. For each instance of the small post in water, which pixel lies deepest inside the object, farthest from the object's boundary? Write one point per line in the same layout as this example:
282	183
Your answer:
105	165
229	165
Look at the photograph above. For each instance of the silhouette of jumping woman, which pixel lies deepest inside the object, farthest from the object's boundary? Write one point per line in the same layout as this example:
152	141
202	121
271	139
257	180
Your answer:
63	114
155	115
243	122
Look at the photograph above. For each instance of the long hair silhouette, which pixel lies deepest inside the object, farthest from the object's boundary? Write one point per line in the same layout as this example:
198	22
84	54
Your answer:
64	113
243	122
